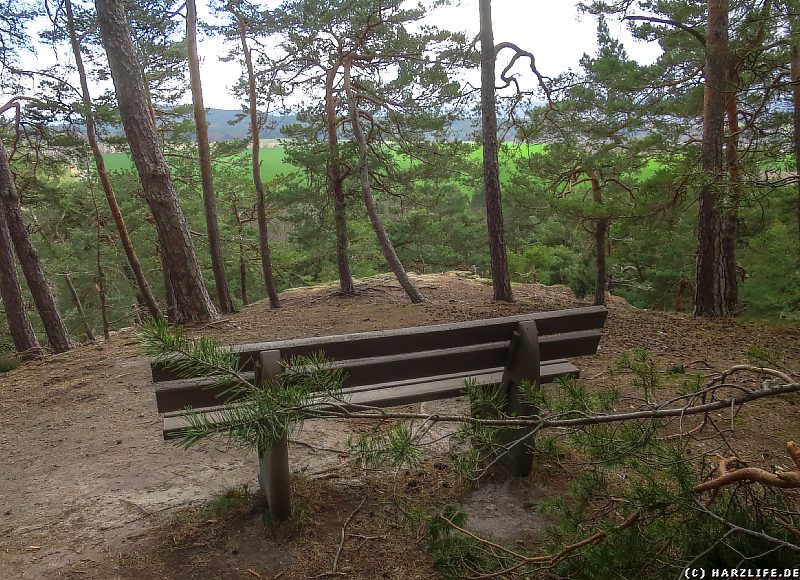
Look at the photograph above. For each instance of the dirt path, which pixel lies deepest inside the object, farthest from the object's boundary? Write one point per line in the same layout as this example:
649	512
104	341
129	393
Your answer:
89	490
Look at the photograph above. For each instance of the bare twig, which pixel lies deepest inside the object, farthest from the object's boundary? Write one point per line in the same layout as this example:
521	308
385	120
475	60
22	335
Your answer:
344	535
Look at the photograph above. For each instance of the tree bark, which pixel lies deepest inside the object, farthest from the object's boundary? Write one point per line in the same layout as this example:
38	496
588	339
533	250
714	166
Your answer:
91	137
243	275
76	300
101	293
242	256
501	280
730	211
19	324
600	243
366	192
204	152
169	292
191	296
710	274
336	188
28	257
263	233
795	72
101	275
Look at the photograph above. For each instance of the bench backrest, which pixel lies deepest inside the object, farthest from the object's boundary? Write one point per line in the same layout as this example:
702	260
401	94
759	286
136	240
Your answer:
408	353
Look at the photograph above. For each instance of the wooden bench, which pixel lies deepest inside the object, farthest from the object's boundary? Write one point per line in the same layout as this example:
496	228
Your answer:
409	365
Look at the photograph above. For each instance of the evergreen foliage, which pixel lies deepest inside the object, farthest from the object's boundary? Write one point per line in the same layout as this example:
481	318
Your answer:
263	411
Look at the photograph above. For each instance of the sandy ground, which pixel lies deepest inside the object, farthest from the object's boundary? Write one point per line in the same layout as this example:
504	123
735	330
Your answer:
88	489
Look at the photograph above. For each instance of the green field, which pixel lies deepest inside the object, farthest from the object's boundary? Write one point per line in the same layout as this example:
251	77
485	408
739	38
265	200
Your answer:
272	159
272	162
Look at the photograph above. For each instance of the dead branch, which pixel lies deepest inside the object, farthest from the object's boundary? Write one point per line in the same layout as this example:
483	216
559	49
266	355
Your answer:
520	53
342	410
782	479
344	536
753	369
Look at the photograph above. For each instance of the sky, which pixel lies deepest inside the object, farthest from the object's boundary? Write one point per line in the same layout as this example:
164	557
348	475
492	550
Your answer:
551	29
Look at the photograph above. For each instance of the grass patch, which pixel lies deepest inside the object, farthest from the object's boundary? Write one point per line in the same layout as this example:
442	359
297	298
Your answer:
230	498
8	363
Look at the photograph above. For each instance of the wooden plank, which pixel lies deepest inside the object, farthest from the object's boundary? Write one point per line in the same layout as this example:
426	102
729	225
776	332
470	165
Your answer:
406	340
392	394
569	344
175	395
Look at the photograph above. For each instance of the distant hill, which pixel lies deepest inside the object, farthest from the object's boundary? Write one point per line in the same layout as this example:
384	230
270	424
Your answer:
220	129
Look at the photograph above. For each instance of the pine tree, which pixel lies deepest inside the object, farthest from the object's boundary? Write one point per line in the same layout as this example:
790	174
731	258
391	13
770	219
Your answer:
28	258
206	172
102	172
192	301
19	324
501	280
255	128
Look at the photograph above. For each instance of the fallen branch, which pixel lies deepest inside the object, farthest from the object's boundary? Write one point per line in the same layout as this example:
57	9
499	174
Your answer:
782	479
344	536
334	411
753	369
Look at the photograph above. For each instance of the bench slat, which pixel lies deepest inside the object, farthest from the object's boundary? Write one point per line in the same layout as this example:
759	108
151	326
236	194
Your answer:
421	338
175	395
397	393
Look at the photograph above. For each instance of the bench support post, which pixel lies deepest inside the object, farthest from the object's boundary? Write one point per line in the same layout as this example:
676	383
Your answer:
523	366
273	464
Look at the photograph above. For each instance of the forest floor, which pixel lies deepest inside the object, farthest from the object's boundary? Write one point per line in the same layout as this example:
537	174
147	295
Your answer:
88	488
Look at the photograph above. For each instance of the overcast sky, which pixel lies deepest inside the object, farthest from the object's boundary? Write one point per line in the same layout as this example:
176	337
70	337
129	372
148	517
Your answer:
551	29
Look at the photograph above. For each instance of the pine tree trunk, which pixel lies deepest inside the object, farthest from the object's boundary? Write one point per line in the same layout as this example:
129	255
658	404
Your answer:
243	275
169	292
91	137
101	294
242	255
204	152
192	301
730	211
19	324
501	280
600	243
710	275
263	233
76	300
336	188
366	192
101	275
28	257
795	72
